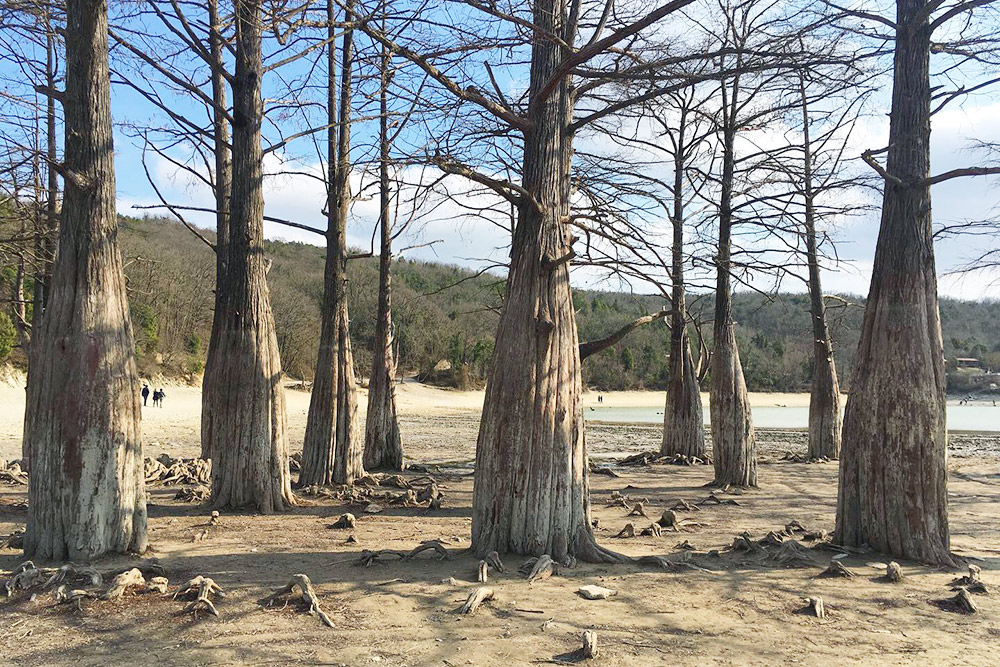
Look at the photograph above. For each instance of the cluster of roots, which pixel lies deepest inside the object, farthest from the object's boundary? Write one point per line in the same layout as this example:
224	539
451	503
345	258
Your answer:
373	492
656	458
12	473
168	471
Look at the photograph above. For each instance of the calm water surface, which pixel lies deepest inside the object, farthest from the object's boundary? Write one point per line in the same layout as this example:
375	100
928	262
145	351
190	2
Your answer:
960	417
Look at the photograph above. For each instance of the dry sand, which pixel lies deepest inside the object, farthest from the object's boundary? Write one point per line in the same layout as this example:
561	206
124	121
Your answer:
741	611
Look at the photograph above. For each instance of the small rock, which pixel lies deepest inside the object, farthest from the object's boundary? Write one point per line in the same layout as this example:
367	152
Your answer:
596	592
373	508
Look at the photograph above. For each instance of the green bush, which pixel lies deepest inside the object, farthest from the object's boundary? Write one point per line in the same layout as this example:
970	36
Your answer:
8	336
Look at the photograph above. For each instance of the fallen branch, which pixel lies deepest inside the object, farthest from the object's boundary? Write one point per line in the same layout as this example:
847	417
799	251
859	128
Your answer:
306	593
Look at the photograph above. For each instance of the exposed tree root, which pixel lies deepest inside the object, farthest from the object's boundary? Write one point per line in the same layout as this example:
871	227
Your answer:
684	506
972	581
344	521
627	531
714	499
772	539
204	589
744	542
964	602
493	560
157	585
653	530
429	545
543	568
814	605
836	569
483	575
130	579
188	494
476	598
306	593
638	510
686	546
369	557
74	597
656	458
166	470
13	541
589	649
71	573
11	473
893	573
793	554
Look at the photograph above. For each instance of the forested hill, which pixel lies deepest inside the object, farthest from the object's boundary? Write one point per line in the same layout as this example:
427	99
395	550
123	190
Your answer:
447	313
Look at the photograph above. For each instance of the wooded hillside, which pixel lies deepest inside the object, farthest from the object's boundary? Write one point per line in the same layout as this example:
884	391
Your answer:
448	313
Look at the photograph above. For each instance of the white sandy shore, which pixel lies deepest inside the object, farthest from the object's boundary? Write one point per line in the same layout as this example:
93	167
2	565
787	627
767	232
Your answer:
179	419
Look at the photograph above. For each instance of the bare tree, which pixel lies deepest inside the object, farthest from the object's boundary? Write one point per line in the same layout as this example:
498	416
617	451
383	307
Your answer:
246	423
893	491
82	423
333	449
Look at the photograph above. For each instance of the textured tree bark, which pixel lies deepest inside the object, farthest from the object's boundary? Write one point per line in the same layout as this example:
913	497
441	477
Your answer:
383	445
82	423
734	450
531	492
333	450
893	492
683	421
245	425
223	187
824	400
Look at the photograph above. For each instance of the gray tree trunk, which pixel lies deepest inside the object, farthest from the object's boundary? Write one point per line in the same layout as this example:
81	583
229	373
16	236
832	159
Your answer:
683	420
245	425
531	492
893	492
383	445
734	449
223	187
333	450
83	421
824	400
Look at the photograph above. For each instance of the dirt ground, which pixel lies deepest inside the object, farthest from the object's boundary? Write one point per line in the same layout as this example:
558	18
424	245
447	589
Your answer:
737	610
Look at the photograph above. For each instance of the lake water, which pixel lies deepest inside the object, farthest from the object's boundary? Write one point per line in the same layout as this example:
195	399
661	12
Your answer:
960	417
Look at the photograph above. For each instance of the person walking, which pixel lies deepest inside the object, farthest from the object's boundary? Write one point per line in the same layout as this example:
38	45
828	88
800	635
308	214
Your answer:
145	393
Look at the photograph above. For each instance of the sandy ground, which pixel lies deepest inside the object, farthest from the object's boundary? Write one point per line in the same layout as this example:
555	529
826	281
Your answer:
741	611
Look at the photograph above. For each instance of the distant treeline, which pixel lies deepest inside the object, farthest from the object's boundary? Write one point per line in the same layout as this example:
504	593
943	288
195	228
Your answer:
446	313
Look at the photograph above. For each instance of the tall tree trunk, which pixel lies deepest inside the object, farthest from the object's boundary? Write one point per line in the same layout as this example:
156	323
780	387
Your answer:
223	186
824	401
46	231
245	425
333	450
893	492
383	445
19	307
531	492
734	449
82	423
683	423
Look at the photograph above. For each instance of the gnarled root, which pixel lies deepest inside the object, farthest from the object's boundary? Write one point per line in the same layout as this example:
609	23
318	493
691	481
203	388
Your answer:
484	572
429	545
204	588
893	573
69	573
627	531
73	597
972	582
476	598
964	602
130	579
792	553
493	560
306	593
543	568
814	605
836	569
589	649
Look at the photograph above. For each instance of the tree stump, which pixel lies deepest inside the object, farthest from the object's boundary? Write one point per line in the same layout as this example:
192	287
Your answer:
157	585
668	519
972	581
836	569
204	588
345	521
589	649
131	579
964	602
544	568
493	560
893	573
653	530
306	593
476	598
483	574
815	606
627	531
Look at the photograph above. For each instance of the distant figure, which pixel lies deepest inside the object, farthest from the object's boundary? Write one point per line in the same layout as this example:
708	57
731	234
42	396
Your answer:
158	397
600	399
145	393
